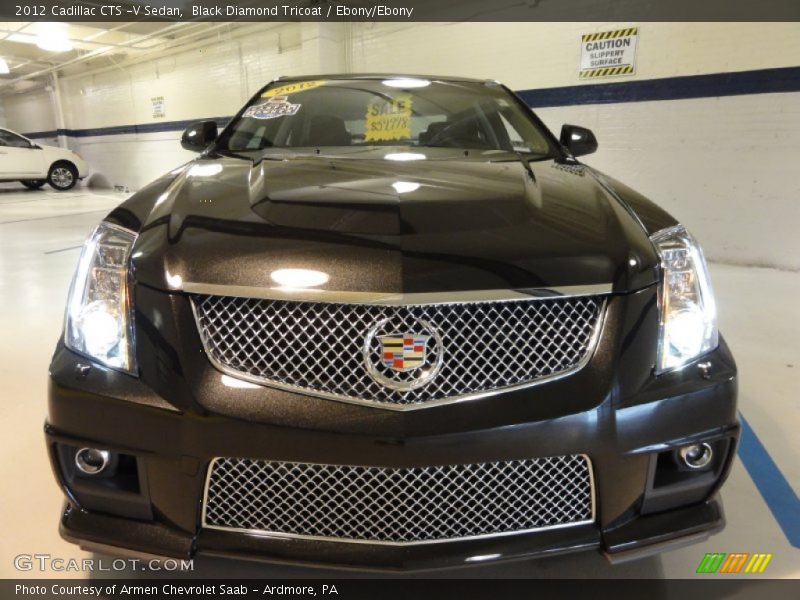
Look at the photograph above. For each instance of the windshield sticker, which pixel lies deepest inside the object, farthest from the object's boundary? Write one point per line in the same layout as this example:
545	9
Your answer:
292	88
279	106
388	120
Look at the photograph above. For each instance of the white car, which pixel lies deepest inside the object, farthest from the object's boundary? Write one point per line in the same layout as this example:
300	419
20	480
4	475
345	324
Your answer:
34	165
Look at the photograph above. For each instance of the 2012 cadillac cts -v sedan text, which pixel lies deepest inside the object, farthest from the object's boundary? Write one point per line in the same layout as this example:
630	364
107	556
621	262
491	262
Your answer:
390	322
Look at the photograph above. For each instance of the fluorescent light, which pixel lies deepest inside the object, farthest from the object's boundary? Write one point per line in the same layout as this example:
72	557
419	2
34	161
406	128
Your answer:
52	37
403	156
232	382
482	557
406	83
205	170
175	282
54	44
4	70
299	278
403	187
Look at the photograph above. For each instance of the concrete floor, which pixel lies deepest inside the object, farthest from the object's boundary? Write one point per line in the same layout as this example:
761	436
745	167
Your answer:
40	236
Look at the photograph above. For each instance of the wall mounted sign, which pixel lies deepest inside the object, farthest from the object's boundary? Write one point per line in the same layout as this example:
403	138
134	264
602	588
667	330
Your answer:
159	110
609	53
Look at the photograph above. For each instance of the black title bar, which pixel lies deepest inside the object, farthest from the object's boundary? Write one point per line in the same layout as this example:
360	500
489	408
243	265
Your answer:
399	10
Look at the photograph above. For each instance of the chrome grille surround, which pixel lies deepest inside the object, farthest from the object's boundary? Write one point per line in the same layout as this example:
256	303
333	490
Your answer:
318	348
407	505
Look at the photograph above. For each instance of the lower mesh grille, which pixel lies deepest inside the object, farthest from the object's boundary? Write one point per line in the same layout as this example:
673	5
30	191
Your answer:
398	505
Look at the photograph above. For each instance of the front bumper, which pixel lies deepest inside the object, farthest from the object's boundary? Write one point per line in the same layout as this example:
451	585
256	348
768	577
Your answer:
82	166
647	536
173	449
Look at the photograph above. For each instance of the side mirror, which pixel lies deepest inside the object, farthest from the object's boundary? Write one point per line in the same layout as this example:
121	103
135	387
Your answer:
578	140
197	136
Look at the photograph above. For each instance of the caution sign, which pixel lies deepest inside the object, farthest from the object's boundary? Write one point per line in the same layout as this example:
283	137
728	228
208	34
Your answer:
609	53
388	120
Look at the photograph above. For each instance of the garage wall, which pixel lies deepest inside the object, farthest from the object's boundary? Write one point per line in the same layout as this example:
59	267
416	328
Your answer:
109	113
112	111
719	165
718	162
538	55
31	112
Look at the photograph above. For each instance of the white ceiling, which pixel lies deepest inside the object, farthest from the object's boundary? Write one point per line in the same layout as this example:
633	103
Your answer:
95	45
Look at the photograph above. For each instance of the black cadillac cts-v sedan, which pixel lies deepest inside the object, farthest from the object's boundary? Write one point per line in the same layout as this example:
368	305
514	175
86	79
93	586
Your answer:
390	322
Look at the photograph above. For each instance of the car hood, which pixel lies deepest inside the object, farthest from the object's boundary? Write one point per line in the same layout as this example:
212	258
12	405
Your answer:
59	151
387	226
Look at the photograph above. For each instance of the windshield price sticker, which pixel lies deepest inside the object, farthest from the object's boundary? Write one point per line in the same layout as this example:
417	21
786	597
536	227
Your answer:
389	120
292	88
609	53
279	106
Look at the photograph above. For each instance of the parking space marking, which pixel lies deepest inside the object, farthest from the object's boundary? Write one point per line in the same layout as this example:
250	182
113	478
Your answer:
64	249
88	212
772	485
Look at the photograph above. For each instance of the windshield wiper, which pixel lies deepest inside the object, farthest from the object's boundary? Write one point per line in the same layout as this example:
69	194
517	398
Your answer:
519	155
527	165
524	159
231	154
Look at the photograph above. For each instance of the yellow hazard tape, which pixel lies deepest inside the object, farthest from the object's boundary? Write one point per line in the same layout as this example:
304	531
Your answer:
292	88
606	72
610	35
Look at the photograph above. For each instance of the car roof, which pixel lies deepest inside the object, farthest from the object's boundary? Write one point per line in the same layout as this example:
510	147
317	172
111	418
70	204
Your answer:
381	76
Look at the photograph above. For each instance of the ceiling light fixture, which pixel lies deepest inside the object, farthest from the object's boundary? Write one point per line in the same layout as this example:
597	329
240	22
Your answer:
52	37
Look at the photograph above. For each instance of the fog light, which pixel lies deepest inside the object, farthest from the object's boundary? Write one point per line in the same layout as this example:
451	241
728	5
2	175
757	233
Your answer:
696	456
91	461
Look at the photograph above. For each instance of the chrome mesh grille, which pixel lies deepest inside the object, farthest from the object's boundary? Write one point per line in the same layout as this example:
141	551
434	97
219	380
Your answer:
318	347
414	504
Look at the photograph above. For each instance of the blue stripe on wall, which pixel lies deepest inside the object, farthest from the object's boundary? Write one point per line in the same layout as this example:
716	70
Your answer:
762	81
772	485
125	129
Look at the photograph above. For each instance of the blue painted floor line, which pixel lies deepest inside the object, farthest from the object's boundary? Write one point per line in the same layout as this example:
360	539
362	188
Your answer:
776	491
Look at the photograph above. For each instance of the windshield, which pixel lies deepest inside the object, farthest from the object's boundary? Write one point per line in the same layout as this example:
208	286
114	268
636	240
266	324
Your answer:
344	113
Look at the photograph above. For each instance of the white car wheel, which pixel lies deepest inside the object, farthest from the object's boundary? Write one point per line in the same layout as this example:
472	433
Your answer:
62	176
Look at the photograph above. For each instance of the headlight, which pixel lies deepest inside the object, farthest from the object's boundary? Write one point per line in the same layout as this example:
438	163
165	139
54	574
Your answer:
688	311
99	320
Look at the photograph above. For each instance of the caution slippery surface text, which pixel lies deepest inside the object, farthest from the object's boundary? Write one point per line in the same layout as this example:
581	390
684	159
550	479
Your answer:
609	53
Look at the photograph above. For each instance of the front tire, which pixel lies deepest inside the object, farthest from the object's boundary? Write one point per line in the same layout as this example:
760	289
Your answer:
33	184
62	176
